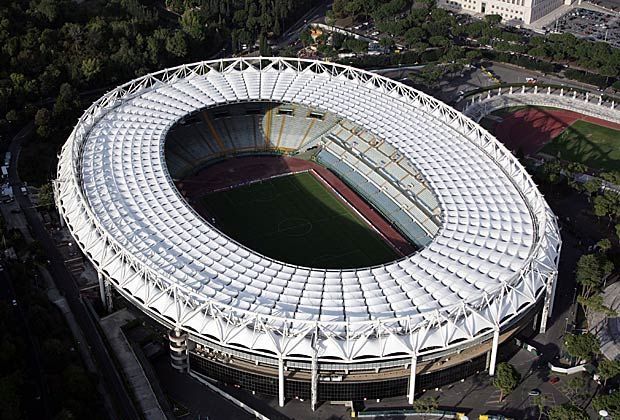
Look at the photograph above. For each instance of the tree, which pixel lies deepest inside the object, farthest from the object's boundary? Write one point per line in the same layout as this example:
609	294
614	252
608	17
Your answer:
12	116
387	42
493	19
66	101
48	9
192	24
90	67
264	48
592	186
608	369
306	38
567	411
176	44
506	379
591	270
46	196
42	121
582	346
607	205
540	401
595	303
426	405
575	387
610	402
604	245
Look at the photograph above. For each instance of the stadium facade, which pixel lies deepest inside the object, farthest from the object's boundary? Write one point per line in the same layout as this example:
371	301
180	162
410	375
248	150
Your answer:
488	243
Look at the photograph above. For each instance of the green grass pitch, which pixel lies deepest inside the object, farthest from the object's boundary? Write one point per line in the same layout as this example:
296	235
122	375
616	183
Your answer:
296	219
593	145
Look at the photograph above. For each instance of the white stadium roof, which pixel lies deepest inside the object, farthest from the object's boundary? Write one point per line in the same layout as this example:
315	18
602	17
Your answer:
494	255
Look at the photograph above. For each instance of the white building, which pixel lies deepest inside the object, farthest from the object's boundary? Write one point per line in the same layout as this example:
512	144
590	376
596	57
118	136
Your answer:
511	11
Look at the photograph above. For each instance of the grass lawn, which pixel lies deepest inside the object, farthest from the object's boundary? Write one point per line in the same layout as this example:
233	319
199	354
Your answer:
593	145
296	219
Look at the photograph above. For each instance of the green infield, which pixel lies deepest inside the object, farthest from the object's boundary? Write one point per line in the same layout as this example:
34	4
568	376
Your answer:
296	219
593	145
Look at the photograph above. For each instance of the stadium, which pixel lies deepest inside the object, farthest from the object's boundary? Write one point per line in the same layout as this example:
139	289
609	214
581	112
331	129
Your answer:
309	230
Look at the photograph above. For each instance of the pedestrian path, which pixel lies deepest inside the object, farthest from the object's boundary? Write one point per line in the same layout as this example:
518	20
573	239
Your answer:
132	369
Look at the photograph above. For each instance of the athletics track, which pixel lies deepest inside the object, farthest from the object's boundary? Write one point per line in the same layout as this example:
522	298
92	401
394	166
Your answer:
528	130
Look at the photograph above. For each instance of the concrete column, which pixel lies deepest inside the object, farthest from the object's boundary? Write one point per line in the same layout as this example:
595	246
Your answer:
536	89
562	92
613	104
587	97
510	90
523	89
499	92
179	356
281	381
600	100
549	301
413	367
548	90
105	292
314	386
494	347
574	94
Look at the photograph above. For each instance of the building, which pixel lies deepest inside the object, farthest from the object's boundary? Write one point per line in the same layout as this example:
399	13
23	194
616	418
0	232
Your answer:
488	242
514	12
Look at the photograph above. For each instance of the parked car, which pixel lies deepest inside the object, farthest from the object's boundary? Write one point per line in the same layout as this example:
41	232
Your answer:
534	392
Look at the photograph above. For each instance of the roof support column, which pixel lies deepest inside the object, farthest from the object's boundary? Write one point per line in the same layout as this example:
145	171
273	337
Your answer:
105	292
281	381
413	367
314	386
549	300
494	347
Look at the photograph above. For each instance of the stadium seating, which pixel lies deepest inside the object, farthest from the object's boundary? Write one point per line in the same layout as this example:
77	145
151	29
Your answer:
368	165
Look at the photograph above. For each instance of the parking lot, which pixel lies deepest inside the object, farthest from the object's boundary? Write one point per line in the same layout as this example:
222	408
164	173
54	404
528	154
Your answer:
590	24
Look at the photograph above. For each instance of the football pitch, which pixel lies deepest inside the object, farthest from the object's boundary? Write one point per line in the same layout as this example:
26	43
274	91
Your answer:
296	219
593	145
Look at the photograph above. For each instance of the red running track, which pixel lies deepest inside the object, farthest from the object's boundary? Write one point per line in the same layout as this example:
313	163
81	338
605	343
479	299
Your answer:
240	170
528	130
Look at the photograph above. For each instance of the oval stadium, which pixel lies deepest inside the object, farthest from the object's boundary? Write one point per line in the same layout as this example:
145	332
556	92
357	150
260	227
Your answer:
309	230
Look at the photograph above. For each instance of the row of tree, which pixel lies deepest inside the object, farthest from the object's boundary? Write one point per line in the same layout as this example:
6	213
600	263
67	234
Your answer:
52	50
422	25
59	381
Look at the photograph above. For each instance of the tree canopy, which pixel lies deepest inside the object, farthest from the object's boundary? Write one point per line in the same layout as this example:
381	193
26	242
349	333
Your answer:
506	378
610	402
567	411
591	270
582	346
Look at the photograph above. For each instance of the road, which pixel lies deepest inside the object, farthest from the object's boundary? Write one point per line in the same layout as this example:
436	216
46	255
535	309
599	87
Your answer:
65	283
38	397
509	73
314	14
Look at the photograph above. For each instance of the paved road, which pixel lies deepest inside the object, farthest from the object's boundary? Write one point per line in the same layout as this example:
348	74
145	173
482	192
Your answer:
38	397
64	282
512	74
313	15
197	398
